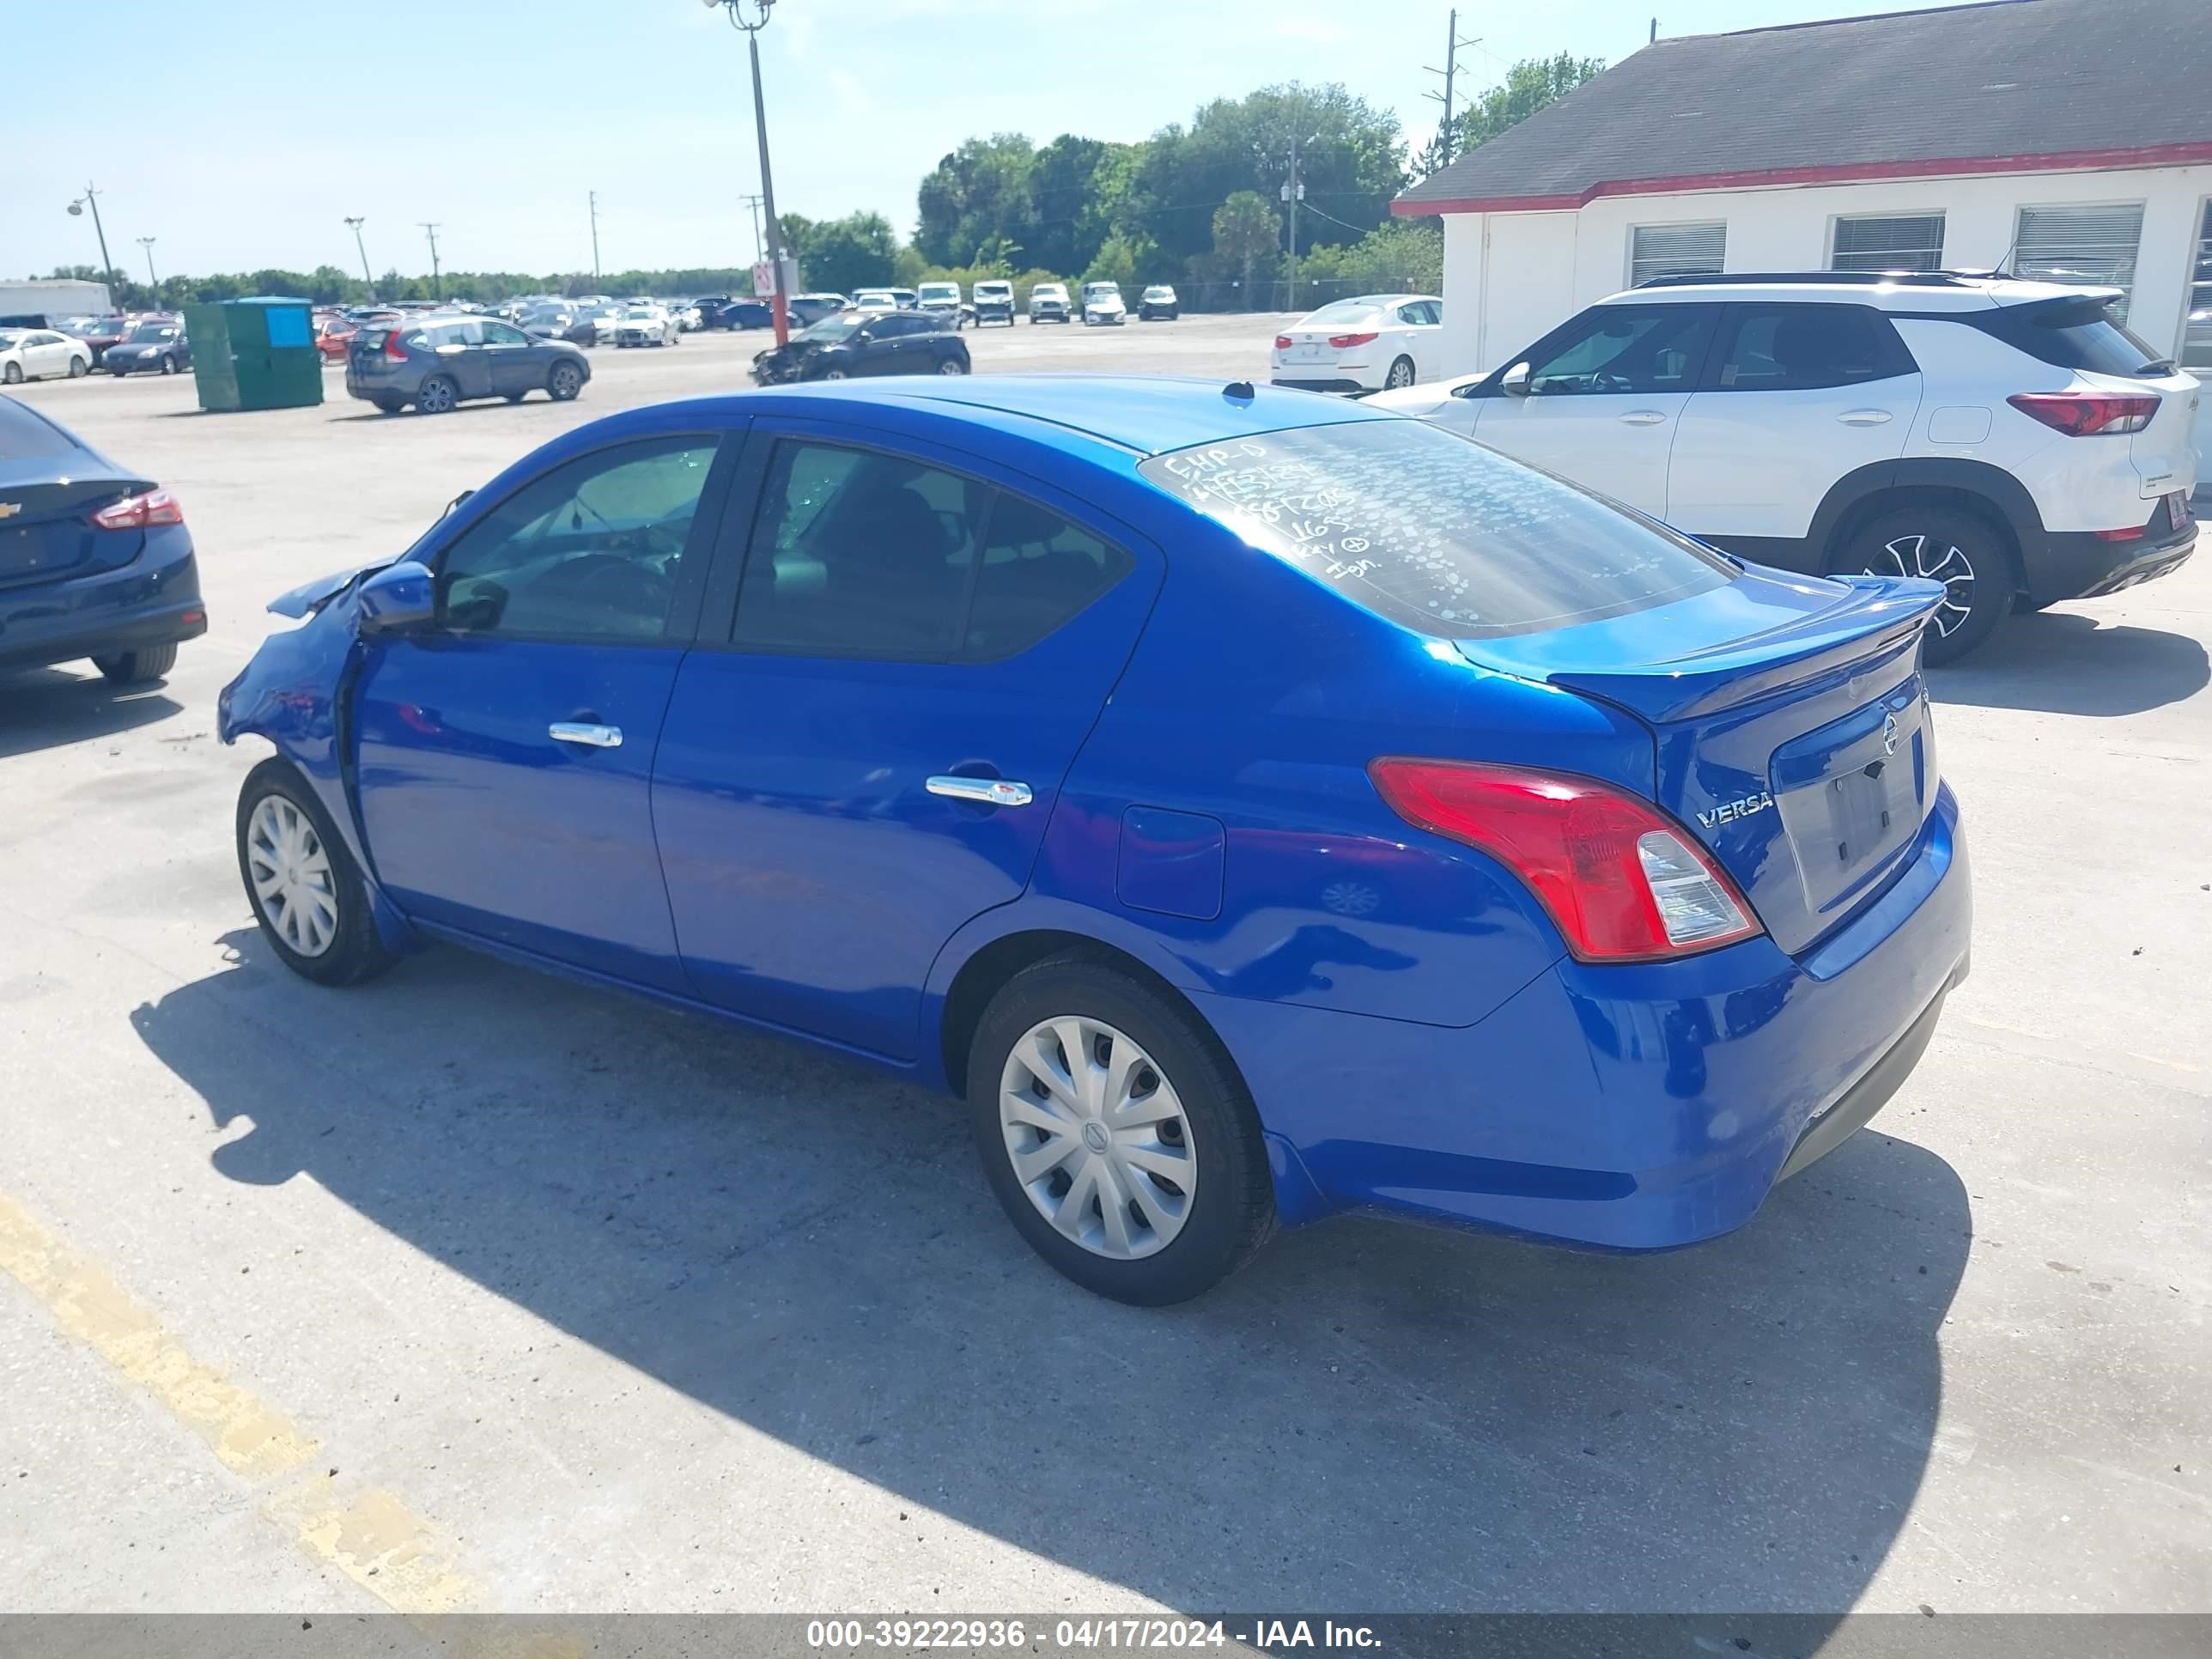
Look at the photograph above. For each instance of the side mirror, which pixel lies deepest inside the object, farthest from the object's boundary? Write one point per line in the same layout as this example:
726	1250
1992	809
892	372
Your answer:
1514	383
396	598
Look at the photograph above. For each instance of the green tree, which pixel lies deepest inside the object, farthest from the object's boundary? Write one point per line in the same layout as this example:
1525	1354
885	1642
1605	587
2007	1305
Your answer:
980	190
1530	85
1245	230
859	251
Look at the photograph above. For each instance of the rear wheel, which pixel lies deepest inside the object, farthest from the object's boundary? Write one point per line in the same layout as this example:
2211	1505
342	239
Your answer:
77	367
1400	375
168	365
833	374
564	382
135	667
437	396
307	894
953	366
1118	1137
11	374
1960	549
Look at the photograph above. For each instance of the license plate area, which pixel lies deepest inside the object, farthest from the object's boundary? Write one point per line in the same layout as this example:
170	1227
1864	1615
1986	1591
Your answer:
2178	513
1853	793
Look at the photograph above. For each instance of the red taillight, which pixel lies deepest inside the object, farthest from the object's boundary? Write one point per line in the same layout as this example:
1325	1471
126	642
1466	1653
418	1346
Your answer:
1282	342
395	348
2086	414
1621	880
138	512
1341	341
2125	533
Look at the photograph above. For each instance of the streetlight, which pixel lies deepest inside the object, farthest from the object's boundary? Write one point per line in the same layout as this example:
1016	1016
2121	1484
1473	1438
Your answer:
152	281
91	199
758	11
355	225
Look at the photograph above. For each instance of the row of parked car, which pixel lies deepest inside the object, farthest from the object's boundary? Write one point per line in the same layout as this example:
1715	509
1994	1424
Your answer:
151	342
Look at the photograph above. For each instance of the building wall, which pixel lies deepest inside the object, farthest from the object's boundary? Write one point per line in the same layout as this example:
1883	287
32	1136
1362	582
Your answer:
1510	277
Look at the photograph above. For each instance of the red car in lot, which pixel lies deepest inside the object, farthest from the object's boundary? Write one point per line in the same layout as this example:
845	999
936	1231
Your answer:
334	337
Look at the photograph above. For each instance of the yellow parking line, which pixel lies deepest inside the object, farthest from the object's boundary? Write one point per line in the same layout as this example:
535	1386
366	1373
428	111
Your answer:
369	1535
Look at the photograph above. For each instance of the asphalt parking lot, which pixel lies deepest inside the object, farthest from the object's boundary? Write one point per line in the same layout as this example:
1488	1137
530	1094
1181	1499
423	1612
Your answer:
473	1289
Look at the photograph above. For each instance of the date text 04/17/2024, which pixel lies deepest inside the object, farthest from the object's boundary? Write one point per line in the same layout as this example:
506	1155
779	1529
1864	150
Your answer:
1280	1635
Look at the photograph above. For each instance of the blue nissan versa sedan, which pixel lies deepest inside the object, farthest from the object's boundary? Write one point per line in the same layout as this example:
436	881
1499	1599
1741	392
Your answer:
1255	805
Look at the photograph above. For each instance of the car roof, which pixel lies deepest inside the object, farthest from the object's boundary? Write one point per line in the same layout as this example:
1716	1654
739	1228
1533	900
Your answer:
1146	414
1914	291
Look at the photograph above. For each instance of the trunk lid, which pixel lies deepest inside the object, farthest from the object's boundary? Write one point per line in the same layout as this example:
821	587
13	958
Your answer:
50	533
1791	728
2164	452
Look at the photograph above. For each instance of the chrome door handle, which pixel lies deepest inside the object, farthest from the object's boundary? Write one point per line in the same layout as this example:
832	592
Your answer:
988	791
584	732
1643	417
1864	417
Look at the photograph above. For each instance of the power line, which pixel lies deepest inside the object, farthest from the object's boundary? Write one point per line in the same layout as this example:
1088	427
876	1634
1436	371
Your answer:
1453	44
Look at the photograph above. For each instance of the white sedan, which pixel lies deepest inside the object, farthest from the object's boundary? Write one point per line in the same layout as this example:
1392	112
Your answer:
644	325
40	353
1377	343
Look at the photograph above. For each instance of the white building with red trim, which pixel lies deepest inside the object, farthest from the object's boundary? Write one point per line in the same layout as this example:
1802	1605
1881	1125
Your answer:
2069	139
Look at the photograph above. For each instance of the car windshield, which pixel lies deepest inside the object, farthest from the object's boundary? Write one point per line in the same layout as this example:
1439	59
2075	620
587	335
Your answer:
832	330
1101	291
1159	294
641	314
1050	291
155	331
940	291
1429	529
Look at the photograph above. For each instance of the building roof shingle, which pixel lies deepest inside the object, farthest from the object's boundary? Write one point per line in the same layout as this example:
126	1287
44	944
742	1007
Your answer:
2008	86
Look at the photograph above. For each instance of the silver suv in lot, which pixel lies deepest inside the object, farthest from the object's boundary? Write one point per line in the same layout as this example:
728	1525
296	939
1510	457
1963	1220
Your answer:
2009	439
436	362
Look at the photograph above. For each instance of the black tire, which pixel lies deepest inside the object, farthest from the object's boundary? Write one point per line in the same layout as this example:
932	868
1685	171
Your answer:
1965	552
438	395
1232	1209
78	367
12	375
357	951
168	365
564	381
953	365
1400	375
147	662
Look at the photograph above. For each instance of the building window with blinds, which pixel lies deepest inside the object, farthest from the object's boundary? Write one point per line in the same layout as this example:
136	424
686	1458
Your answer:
2197	327
1888	241
1675	251
2092	247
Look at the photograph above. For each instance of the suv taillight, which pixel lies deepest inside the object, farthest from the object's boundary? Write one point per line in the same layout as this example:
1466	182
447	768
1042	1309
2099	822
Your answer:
138	512
2086	414
395	348
1621	880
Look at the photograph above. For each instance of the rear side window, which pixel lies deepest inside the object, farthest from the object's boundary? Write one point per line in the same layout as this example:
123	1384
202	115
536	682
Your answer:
27	437
1432	531
1797	348
2080	334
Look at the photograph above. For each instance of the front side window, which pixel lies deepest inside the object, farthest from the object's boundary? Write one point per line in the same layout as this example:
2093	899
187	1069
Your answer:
501	334
1675	251
2087	246
1796	348
1432	531
589	551
857	553
1887	241
1625	348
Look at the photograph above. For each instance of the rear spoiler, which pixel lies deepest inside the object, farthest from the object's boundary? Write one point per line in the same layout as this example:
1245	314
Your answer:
1878	618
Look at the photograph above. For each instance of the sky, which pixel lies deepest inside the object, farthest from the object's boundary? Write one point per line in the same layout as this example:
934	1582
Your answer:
257	128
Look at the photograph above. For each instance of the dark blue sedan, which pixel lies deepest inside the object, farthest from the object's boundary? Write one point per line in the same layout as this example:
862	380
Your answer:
1256	806
94	558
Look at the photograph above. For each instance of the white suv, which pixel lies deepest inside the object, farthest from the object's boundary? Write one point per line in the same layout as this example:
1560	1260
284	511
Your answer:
2007	438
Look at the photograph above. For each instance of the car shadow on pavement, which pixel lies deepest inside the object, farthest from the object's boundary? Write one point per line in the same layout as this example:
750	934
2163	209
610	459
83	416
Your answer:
47	707
2064	662
1371	1416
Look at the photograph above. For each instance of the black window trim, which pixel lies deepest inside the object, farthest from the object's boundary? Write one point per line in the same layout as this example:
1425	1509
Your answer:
733	552
692	571
1895	351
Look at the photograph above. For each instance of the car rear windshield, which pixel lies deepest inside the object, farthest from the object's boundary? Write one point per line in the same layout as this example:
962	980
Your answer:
1431	531
26	436
2080	334
1344	311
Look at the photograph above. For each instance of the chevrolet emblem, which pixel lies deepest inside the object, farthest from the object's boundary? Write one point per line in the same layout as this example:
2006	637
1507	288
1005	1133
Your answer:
10	509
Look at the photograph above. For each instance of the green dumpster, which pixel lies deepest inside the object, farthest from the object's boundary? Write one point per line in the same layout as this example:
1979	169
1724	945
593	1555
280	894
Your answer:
254	354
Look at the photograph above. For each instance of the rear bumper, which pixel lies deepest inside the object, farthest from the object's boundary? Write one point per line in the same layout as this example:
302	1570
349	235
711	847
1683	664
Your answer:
1338	383
2085	566
153	600
1634	1108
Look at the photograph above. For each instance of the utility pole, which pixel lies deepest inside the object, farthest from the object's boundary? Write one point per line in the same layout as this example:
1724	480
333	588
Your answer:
91	199
1452	45
361	248
760	248
1294	191
594	196
437	281
152	281
779	296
